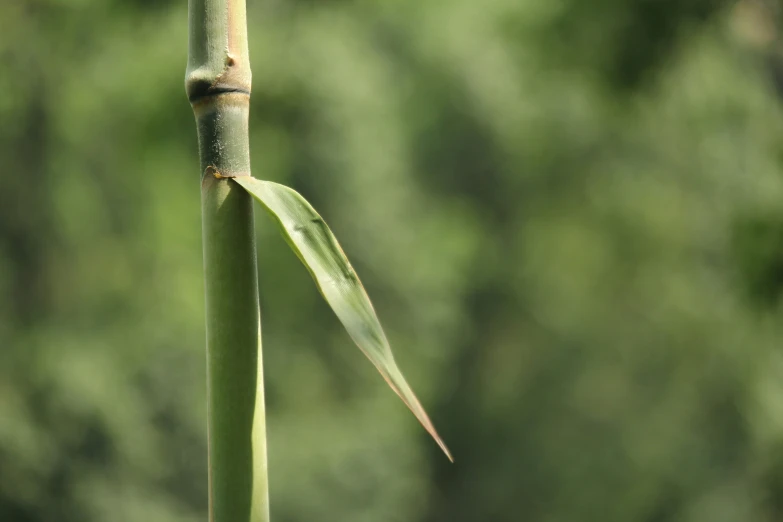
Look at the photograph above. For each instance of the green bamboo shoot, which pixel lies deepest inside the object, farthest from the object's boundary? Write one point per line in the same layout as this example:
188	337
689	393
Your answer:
218	86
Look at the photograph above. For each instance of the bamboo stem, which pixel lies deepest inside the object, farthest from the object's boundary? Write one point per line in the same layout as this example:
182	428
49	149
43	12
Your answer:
218	86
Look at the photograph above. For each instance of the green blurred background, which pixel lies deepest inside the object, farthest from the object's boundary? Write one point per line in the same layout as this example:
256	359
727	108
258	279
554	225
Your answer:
569	215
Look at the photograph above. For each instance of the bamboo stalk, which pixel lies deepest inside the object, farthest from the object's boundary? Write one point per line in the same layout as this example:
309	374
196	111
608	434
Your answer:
218	86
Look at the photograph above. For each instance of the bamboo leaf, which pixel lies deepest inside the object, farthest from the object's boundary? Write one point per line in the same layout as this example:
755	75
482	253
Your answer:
313	242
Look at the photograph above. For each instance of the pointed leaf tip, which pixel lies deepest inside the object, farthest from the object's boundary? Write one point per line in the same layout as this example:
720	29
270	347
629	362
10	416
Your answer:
315	245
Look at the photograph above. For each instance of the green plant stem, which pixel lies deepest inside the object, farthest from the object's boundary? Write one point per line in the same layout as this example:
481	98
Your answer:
218	86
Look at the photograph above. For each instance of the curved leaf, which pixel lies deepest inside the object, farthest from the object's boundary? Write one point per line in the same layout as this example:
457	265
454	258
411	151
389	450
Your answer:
310	238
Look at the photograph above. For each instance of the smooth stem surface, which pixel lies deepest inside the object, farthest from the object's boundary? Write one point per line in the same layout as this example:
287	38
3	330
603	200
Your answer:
218	86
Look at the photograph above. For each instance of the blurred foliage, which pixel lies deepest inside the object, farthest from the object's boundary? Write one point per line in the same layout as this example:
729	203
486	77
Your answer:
569	216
